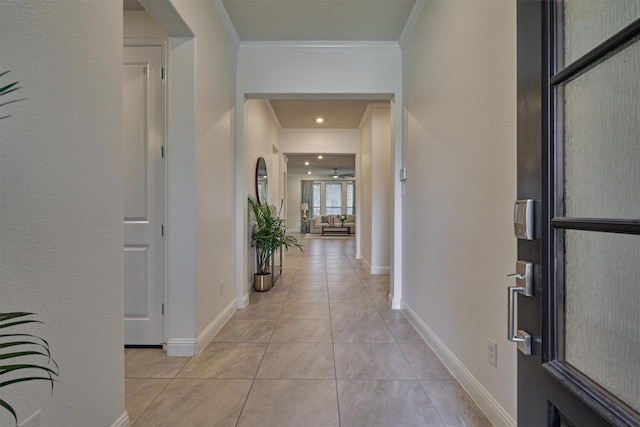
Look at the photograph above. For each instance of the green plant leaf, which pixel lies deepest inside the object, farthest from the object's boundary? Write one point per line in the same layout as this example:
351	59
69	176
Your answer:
11	368
7	89
268	233
17	346
8	407
28	379
27	343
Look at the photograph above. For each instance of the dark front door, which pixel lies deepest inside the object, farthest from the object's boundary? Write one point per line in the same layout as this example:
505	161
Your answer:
579	160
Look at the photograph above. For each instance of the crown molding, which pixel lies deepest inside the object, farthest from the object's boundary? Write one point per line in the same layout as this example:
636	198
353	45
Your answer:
411	22
320	45
228	25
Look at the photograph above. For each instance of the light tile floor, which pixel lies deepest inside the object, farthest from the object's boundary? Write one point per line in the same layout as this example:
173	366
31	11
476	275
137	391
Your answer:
321	348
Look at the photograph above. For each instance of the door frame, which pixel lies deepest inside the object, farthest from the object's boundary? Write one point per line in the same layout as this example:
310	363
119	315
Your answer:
163	43
397	193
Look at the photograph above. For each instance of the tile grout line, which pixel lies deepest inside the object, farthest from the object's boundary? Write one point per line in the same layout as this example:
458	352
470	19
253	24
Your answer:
333	347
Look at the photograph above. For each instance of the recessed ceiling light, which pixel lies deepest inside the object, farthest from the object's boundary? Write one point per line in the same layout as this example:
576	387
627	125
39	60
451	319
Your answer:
309	173
319	120
320	157
306	163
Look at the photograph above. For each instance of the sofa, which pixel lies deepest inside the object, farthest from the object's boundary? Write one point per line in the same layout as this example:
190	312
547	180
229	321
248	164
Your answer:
318	221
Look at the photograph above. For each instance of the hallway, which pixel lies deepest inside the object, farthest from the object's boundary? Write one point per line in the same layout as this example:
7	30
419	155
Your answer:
321	348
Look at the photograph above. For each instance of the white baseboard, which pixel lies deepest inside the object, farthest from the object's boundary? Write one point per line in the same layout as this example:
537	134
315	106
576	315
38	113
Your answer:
193	346
243	302
377	269
122	421
394	302
492	409
380	270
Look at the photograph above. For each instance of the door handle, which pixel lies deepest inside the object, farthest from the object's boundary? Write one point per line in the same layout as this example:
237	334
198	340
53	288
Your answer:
524	279
522	337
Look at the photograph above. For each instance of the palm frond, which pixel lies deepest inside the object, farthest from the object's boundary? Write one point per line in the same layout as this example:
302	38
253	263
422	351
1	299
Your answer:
8	407
7	88
16	347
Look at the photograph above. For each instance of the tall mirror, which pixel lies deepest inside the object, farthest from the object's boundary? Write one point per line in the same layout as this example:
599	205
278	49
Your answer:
262	179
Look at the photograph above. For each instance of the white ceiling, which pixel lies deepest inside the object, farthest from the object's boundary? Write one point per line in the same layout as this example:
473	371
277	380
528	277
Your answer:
344	163
337	114
326	20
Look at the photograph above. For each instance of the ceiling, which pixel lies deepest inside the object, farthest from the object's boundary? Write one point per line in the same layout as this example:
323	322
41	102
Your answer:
337	114
326	20
314	20
344	163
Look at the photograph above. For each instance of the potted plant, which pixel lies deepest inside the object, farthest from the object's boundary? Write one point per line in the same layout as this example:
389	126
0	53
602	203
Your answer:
268	234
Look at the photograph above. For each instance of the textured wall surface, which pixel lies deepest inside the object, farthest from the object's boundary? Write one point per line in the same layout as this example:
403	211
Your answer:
61	202
460	153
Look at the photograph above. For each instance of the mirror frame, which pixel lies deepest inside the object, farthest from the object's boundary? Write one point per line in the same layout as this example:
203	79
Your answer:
262	177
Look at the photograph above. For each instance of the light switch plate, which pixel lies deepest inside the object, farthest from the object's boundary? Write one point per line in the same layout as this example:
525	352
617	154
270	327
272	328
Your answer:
403	174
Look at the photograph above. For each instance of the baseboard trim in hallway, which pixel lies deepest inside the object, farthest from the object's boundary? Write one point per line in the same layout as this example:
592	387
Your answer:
492	409
122	421
193	346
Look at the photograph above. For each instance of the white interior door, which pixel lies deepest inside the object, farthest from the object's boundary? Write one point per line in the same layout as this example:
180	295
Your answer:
143	195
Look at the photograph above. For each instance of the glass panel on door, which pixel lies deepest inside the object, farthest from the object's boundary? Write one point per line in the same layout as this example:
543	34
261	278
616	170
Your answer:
597	172
588	23
601	139
601	310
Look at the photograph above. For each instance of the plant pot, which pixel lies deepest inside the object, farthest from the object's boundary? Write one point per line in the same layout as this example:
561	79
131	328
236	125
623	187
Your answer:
262	282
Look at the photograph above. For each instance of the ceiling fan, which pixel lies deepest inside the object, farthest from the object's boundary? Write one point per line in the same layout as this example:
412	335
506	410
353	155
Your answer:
335	174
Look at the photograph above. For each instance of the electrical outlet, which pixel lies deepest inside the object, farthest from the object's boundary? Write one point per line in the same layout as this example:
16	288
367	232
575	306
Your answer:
32	421
492	354
221	287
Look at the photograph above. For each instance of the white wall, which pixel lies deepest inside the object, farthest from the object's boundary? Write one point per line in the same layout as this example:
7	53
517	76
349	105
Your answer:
61	203
366	203
139	24
460	129
376	188
215	97
201	81
261	137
